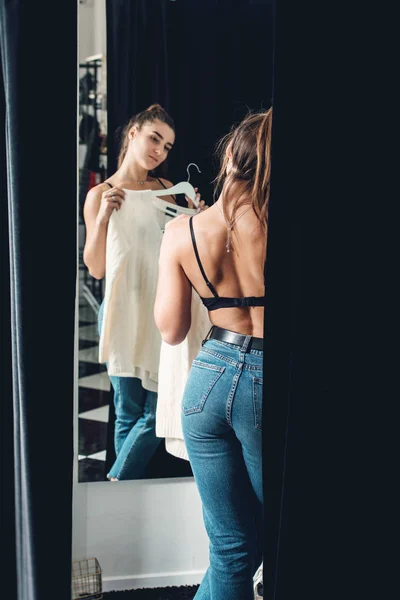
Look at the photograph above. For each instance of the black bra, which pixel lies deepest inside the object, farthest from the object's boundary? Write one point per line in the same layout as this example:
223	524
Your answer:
217	301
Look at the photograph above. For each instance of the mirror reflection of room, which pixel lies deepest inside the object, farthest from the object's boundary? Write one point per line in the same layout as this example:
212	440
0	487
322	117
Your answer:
149	127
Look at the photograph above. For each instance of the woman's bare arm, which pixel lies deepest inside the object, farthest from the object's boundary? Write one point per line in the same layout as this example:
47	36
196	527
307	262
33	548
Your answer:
172	308
99	205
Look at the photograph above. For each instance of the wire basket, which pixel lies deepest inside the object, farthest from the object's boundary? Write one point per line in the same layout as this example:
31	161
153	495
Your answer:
86	579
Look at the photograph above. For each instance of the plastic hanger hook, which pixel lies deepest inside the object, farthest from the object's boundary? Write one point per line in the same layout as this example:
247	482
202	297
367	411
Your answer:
188	172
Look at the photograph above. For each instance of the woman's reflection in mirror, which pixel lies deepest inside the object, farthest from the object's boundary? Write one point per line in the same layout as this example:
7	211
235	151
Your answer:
146	142
220	253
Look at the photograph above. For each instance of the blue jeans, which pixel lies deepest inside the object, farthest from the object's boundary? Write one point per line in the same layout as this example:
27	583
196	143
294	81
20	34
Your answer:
135	438
221	421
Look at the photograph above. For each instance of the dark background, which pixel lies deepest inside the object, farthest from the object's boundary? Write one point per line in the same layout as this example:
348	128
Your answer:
206	61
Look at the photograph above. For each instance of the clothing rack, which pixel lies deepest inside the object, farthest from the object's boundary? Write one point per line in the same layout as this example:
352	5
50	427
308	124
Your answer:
92	68
91	102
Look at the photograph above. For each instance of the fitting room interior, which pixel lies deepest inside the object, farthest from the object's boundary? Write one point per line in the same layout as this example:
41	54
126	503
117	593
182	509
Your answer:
329	391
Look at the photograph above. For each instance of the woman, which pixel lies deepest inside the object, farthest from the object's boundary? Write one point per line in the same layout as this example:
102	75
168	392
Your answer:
221	254
146	142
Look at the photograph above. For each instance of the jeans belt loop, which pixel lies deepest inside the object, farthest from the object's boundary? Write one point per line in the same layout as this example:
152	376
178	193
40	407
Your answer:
207	336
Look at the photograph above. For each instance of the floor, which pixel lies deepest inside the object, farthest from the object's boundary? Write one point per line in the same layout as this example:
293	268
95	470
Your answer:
95	396
171	593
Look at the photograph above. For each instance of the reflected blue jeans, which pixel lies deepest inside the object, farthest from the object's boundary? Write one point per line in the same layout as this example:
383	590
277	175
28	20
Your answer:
221	421
135	438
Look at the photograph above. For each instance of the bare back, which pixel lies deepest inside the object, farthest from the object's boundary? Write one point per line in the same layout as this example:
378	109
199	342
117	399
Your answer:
238	273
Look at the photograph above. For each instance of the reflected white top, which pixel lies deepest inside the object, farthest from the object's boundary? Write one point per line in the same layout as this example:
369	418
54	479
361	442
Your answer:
130	342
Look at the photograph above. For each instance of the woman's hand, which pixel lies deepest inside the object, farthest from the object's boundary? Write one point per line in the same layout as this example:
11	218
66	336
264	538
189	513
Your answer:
201	204
110	200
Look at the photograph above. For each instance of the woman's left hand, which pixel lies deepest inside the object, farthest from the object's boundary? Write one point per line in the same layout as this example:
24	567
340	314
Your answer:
201	203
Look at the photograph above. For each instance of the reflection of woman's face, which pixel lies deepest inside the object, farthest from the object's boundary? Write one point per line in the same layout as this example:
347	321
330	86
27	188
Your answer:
151	144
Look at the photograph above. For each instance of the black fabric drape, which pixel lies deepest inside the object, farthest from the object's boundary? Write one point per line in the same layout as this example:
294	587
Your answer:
39	206
220	66
329	444
206	61
7	455
136	38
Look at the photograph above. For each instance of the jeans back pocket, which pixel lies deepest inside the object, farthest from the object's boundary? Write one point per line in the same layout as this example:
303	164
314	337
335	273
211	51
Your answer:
202	379
257	401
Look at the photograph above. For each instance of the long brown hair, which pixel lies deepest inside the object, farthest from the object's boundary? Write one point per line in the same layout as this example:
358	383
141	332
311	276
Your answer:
149	115
249	145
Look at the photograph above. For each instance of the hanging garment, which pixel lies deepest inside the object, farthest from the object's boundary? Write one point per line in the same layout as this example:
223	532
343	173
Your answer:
90	134
130	342
174	367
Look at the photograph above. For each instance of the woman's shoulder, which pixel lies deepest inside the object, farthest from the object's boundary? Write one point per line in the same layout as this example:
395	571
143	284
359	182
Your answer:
180	222
96	191
176	230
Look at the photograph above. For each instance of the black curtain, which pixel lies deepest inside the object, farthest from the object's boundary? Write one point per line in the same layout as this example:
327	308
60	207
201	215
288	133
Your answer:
136	38
38	150
7	455
207	62
330	375
220	66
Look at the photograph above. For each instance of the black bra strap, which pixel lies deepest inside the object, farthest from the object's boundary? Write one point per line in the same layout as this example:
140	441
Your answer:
106	182
164	186
159	181
209	284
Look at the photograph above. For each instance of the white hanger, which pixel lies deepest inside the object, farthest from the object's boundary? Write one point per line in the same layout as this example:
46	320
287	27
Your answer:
183	187
187	169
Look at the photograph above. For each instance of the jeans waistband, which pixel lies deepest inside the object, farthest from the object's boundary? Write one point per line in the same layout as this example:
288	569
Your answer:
246	342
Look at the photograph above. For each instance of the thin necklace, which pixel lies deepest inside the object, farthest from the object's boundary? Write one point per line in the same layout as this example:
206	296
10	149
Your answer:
231	225
142	182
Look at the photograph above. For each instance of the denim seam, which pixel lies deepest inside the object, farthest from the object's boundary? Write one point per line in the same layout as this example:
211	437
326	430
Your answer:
133	445
221	356
245	344
237	347
256	381
232	362
207	366
226	344
228	411
149	416
117	392
199	407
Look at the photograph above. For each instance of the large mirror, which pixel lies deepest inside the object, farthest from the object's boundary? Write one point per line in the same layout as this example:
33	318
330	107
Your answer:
207	63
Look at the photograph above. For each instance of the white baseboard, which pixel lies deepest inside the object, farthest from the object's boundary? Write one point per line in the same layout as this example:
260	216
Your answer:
152	580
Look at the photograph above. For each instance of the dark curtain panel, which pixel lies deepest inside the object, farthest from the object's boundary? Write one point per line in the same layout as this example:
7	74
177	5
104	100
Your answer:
220	66
7	455
207	62
330	465
38	44
136	38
